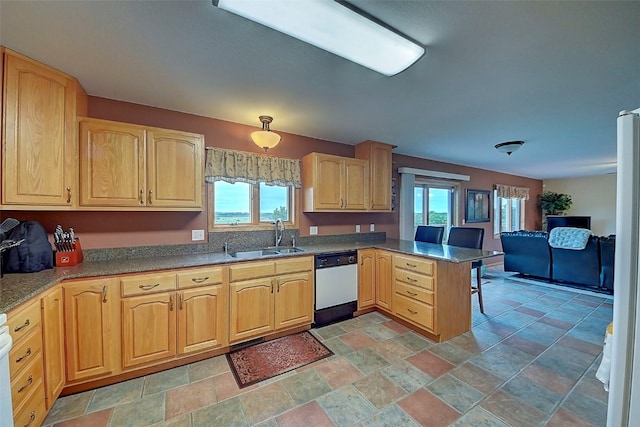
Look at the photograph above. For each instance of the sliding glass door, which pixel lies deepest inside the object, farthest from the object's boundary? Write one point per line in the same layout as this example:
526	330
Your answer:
434	204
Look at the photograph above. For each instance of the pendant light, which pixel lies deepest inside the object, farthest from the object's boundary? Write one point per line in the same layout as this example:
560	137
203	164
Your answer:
265	138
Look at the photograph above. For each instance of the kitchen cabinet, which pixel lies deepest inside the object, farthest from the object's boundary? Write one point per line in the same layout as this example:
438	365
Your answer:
53	344
380	168
333	183
25	363
366	278
268	296
433	295
203	313
39	140
159	322
131	167
92	328
384	280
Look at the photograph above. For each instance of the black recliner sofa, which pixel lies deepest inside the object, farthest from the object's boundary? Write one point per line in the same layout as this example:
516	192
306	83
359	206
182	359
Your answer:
529	253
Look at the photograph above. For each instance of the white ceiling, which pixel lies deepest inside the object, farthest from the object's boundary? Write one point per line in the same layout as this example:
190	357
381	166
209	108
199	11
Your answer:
552	73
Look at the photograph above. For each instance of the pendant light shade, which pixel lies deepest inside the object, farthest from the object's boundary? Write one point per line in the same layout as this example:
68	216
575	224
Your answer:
265	138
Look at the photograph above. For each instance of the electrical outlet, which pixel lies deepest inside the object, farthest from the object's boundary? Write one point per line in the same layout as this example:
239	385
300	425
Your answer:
197	235
372	227
313	230
357	228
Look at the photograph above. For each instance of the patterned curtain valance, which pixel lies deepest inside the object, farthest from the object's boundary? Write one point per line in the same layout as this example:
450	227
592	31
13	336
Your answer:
238	166
510	192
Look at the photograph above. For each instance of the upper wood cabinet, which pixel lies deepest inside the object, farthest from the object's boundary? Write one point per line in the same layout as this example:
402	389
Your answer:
379	157
124	167
333	183
39	138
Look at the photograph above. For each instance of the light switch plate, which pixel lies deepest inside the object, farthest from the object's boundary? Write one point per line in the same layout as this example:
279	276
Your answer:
313	230
197	235
372	227
357	228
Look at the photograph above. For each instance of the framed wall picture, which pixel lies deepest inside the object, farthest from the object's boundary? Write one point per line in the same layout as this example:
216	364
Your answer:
478	206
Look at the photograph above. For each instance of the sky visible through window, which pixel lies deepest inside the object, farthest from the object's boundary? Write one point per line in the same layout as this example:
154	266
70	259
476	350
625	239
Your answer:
233	202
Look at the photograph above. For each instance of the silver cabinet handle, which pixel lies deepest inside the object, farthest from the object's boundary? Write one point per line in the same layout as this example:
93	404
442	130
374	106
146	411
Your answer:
148	287
24	325
150	193
24	356
29	382
141	197
200	279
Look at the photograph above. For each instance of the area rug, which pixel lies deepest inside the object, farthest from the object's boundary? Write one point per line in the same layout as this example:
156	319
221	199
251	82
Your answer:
262	361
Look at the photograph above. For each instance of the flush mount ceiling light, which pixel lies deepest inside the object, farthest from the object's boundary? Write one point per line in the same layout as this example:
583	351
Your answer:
509	146
333	27
265	138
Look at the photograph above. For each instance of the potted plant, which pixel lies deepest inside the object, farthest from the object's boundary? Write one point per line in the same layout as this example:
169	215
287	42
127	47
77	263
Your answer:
553	203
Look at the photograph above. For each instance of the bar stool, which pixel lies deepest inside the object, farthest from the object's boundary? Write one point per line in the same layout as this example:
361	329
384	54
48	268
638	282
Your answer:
470	237
429	234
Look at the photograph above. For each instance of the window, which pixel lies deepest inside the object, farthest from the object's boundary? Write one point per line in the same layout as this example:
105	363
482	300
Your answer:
251	204
434	204
508	214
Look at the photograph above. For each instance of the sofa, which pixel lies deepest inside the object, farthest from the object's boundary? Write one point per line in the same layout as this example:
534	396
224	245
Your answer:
528	253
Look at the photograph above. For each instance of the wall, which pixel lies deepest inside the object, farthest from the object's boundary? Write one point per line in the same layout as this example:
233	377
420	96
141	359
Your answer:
121	229
593	196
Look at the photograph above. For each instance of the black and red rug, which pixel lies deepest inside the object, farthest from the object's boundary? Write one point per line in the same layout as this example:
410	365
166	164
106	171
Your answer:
262	361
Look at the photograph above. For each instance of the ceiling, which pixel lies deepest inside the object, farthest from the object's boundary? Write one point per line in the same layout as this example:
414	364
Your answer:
552	73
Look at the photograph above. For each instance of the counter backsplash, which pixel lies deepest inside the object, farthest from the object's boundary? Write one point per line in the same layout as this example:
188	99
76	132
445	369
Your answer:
236	240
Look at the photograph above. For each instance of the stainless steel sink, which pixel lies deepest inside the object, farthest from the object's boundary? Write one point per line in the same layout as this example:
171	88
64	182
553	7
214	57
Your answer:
257	253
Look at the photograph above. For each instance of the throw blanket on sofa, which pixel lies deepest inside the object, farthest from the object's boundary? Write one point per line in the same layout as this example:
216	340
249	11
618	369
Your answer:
569	238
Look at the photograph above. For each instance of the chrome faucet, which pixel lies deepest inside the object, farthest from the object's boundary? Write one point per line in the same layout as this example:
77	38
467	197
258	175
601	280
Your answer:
279	231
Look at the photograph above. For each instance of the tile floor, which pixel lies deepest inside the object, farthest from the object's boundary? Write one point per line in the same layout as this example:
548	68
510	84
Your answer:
530	361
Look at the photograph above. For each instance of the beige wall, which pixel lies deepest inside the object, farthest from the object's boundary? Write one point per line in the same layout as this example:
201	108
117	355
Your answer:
123	229
593	196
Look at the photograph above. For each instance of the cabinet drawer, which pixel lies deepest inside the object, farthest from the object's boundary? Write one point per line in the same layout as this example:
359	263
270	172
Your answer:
251	270
27	382
414	279
33	412
419	265
294	265
200	277
419	313
25	351
139	285
24	321
414	292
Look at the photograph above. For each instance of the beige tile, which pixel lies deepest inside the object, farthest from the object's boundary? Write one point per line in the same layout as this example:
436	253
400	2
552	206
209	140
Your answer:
265	402
69	407
188	398
208	368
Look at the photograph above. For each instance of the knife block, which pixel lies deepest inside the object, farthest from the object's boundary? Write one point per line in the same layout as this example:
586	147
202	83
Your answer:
69	258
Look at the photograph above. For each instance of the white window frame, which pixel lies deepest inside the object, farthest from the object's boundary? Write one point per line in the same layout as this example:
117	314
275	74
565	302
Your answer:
498	214
453	202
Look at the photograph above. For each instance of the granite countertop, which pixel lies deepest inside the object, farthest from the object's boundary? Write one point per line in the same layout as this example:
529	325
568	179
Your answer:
18	288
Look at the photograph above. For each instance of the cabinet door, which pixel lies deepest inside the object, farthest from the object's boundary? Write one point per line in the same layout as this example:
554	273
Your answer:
174	169
112	164
251	308
380	177
202	319
39	144
53	344
148	328
355	184
294	300
327	185
91	327
366	278
384	280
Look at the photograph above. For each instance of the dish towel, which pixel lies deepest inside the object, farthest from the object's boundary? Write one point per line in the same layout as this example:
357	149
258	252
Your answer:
569	238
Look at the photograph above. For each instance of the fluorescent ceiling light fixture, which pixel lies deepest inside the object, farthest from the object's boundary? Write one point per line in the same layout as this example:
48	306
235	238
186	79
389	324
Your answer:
332	27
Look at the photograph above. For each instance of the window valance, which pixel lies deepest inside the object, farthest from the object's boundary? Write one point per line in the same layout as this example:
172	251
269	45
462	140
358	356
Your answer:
238	166
510	192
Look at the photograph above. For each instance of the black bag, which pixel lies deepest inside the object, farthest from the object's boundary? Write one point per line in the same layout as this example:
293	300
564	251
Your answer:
34	254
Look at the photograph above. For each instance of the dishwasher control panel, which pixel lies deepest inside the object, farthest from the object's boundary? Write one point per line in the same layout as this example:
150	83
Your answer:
336	259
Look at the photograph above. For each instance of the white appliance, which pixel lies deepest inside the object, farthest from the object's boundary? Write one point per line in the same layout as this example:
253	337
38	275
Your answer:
6	411
624	386
336	288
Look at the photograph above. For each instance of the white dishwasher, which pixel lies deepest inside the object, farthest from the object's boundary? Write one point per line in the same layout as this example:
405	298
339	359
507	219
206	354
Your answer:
6	411
336	292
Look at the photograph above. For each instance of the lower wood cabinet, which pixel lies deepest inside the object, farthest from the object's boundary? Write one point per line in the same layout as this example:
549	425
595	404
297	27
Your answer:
160	326
384	280
92	323
275	302
366	278
53	344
